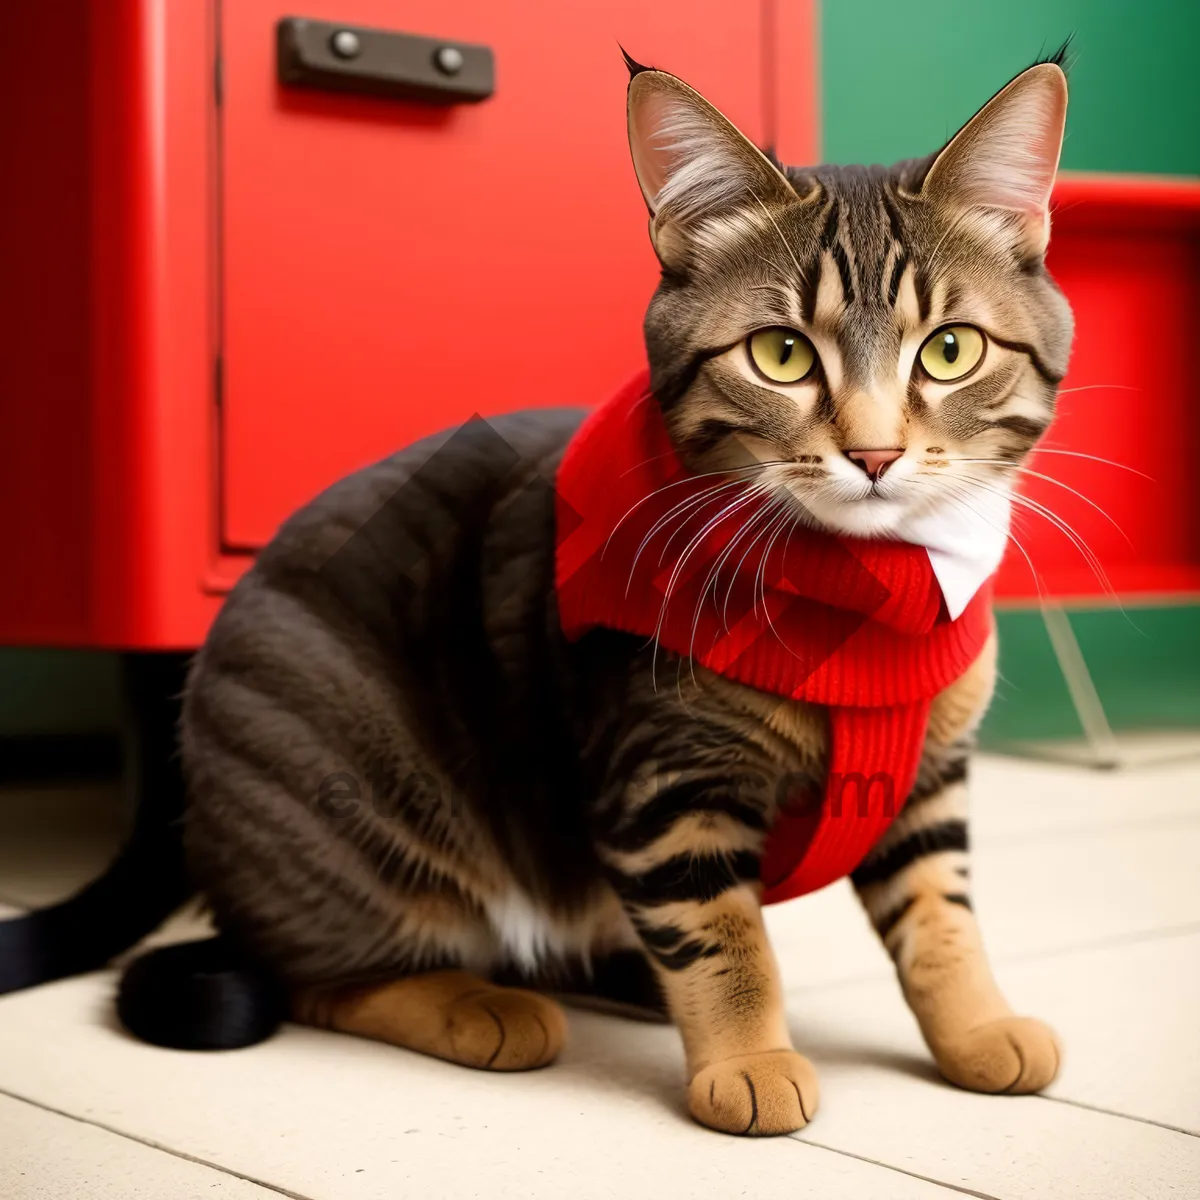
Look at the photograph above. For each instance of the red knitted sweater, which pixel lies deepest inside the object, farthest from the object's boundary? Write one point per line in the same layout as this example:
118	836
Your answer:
857	625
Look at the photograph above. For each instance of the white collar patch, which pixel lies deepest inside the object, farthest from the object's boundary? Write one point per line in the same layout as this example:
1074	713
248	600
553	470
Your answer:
964	547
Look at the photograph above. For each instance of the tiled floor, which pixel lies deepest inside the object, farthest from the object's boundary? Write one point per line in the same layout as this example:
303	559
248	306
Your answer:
1089	892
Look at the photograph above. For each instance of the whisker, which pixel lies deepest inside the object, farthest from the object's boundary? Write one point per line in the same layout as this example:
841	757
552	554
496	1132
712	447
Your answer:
796	522
722	558
770	512
790	526
1091	387
756	466
673	535
680	508
963	498
1024	470
690	503
712	581
714	571
1108	462
1084	549
714	575
727	511
1075	492
761	575
1089	555
647	461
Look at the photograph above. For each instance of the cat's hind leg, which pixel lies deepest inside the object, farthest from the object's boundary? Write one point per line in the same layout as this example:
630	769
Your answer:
453	1015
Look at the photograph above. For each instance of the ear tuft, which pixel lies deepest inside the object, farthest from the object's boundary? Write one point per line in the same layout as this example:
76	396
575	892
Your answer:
1060	58
632	65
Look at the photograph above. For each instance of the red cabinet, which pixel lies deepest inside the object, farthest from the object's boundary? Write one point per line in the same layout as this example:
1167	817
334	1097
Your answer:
391	268
261	287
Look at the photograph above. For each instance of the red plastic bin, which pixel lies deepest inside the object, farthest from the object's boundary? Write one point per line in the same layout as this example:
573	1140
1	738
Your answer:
1126	251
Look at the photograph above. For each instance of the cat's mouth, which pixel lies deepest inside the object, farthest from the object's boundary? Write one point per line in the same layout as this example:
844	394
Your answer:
837	495
872	513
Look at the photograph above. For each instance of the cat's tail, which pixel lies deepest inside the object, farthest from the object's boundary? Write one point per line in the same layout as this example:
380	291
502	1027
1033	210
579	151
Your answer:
145	884
148	880
203	995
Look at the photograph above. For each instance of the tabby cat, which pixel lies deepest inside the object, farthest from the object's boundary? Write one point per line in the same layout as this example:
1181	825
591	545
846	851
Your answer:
416	807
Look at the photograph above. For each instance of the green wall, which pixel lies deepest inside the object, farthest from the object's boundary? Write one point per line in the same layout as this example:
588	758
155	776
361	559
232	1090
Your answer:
1144	663
899	76
58	691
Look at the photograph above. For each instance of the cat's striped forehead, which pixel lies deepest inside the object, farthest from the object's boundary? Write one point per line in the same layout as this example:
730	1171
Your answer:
857	261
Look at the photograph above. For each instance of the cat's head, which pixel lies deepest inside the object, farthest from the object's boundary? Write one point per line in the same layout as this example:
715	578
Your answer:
888	337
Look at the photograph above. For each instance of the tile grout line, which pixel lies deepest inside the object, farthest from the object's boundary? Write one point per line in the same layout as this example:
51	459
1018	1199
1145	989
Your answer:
1066	832
143	1141
951	1187
1122	939
1108	1112
1164	933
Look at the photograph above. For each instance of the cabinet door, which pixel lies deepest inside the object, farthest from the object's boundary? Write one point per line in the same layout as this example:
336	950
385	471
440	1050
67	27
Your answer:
391	268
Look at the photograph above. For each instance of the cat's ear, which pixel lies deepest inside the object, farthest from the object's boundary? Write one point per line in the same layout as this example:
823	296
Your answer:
692	163
1005	157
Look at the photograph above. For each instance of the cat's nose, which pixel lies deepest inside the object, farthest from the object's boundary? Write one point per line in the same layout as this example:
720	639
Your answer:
874	462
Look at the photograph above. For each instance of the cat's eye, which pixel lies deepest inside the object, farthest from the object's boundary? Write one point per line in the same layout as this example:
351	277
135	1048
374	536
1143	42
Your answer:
781	355
953	352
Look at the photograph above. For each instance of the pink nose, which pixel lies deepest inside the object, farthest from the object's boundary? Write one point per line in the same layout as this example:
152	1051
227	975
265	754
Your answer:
874	462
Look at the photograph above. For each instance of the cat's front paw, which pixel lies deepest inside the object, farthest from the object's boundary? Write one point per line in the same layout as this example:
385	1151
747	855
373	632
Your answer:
1015	1055
756	1094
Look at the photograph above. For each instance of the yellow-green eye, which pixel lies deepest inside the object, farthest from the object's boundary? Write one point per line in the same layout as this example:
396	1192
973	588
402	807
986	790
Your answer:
782	355
952	353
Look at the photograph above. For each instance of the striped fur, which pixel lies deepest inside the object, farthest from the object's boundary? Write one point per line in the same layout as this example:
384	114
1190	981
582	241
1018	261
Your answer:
407	791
